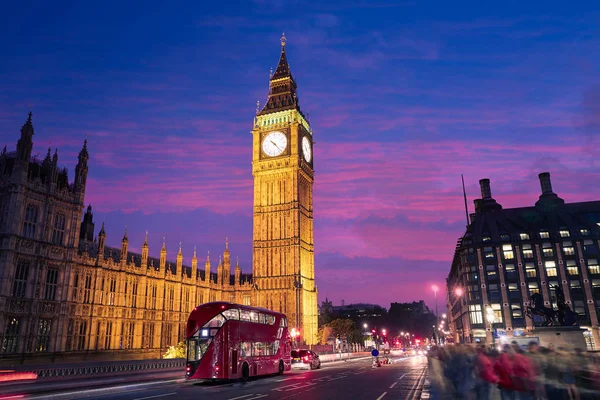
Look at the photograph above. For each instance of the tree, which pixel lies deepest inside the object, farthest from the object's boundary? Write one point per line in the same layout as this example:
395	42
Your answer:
343	328
177	351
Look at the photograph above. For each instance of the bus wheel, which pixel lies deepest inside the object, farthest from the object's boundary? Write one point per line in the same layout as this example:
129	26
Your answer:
245	372
280	367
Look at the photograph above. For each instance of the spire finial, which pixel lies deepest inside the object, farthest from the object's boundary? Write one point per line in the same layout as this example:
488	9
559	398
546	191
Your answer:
146	237
180	246
226	244
283	40
257	106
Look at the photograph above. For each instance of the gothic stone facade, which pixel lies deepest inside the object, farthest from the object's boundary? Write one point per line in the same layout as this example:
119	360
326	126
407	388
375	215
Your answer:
283	243
62	291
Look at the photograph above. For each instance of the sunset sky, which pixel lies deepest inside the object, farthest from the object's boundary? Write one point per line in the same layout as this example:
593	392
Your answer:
402	100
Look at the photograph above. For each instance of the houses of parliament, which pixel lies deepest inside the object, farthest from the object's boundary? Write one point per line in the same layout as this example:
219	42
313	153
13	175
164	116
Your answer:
64	293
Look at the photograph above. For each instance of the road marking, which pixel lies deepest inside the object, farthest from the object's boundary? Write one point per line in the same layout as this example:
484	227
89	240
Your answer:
288	379
158	395
393	384
132	387
241	397
402	376
381	397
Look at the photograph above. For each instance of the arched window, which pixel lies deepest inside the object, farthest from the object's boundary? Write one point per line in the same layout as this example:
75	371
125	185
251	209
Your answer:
31	216
58	234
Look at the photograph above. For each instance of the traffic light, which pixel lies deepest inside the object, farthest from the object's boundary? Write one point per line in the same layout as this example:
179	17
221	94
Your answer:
384	332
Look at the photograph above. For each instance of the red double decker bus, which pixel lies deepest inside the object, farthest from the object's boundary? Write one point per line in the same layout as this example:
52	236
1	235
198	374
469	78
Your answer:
232	341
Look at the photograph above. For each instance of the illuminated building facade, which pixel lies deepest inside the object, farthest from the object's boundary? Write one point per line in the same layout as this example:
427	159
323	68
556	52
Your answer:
507	255
283	238
63	291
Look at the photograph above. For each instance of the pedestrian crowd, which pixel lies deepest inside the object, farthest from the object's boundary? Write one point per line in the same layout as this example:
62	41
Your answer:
536	373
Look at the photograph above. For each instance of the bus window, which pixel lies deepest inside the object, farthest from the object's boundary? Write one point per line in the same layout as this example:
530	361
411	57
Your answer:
232	313
270	319
283	321
245	315
245	349
261	318
216	322
253	316
257	349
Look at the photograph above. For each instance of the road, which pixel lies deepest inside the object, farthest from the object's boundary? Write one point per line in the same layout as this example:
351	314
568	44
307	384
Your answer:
355	380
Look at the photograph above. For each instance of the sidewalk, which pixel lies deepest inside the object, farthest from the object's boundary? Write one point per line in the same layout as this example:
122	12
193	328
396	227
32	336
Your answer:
437	387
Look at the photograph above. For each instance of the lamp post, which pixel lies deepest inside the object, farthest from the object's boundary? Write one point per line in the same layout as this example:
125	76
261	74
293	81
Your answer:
435	290
491	318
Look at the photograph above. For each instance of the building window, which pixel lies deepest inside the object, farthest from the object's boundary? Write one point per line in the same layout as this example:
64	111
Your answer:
134	290
564	233
517	311
130	336
31	216
547	249
533	288
20	282
491	271
508	252
550	268
488	252
524	236
584	232
568	248
87	289
544	235
486	238
246	300
81	335
497	313
10	342
58	234
108	336
527	251
112	292
530	270
75	294
572	270
589	248
171	300
475	314
43	339
504	237
153	297
51	283
593	266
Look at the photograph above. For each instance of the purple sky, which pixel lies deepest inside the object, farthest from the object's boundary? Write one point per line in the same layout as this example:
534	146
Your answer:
402	100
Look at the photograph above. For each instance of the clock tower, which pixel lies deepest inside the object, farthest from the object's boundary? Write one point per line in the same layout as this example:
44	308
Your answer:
283	237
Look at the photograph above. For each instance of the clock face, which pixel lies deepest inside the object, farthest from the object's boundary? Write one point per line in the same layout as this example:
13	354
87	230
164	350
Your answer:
274	143
306	150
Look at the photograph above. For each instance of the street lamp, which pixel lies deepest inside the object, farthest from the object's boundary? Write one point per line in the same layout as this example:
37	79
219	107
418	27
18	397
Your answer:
491	318
365	325
435	290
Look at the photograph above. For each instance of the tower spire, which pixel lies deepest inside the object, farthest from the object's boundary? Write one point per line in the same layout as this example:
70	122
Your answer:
284	97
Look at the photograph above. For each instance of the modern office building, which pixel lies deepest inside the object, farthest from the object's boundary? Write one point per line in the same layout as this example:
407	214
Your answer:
507	255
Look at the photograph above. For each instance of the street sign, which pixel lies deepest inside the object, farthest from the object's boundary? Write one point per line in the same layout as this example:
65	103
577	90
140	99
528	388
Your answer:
375	352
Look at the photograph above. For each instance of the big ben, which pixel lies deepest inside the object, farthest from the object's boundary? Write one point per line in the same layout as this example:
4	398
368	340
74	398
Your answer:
283	233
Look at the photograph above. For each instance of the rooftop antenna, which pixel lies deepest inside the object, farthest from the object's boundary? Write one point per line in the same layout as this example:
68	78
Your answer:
465	197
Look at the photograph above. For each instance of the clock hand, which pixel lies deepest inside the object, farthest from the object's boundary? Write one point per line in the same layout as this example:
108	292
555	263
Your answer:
275	144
